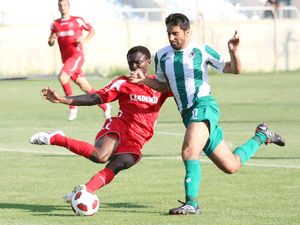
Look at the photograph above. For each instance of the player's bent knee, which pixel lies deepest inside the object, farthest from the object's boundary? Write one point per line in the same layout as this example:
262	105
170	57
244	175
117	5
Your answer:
63	78
231	169
99	158
188	153
121	162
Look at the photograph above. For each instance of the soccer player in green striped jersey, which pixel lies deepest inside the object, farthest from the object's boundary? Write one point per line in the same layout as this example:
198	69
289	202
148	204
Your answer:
182	67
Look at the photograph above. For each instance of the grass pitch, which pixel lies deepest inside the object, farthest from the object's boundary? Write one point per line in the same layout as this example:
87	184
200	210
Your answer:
265	191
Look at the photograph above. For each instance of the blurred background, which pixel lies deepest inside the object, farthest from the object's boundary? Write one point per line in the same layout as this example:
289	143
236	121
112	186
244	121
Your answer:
269	32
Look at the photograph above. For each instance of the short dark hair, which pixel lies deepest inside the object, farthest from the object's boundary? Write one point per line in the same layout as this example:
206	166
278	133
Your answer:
59	1
178	19
142	49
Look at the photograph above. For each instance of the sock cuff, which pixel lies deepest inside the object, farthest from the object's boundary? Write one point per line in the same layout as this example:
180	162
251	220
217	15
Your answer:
109	174
191	162
192	165
109	171
260	137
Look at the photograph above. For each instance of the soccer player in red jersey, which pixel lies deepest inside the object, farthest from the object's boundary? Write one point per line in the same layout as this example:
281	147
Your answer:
121	139
68	32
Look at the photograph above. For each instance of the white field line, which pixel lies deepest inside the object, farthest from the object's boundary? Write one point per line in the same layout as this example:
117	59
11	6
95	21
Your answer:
247	164
64	152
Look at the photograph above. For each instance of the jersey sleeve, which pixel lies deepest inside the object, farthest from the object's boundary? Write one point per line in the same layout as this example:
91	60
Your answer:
84	25
160	76
52	28
214	59
111	92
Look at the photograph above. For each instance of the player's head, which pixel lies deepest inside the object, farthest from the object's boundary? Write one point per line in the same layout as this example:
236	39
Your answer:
178	29
139	58
64	7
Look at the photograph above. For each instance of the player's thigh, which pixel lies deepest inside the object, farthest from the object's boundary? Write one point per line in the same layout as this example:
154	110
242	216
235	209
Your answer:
223	157
72	66
63	77
84	84
195	138
105	146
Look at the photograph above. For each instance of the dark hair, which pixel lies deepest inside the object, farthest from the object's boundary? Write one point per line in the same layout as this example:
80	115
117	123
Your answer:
178	19
145	51
59	1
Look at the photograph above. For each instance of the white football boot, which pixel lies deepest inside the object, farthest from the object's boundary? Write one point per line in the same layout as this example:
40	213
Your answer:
107	112
68	197
43	138
73	114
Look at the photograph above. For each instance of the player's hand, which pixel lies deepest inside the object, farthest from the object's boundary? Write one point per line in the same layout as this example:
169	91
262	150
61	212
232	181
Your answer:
51	41
233	43
80	41
51	95
137	77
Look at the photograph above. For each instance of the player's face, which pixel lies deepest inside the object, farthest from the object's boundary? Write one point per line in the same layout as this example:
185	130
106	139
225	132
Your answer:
138	61
64	7
178	38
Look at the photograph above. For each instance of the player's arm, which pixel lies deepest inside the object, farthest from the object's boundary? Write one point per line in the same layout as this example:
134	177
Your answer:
80	100
52	39
138	77
234	65
89	36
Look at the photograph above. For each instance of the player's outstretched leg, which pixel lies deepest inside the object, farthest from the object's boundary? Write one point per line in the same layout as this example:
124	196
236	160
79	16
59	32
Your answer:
43	138
184	209
271	137
58	138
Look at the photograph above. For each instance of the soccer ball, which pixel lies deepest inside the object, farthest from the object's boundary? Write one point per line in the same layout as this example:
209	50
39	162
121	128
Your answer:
85	203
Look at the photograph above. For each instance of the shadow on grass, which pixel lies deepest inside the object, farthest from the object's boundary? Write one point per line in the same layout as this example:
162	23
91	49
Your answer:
127	207
38	209
33	207
120	205
51	210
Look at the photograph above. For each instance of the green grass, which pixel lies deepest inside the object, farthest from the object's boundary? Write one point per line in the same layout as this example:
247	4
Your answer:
266	191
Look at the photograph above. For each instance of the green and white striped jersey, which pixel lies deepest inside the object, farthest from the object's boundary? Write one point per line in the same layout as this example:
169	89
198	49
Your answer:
186	71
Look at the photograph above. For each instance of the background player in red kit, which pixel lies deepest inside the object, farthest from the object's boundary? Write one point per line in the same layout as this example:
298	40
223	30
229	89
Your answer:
122	137
68	32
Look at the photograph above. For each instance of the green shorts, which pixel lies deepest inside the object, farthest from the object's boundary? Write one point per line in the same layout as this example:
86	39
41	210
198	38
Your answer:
205	108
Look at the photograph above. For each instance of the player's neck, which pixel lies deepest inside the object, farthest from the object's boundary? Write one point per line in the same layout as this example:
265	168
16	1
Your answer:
65	16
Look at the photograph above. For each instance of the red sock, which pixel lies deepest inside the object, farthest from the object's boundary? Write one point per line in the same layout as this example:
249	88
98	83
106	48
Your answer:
68	91
102	106
78	147
102	178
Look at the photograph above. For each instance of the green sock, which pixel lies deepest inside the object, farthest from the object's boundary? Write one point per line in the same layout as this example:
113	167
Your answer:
248	149
192	181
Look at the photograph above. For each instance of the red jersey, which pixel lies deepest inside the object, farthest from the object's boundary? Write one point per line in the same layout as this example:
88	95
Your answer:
138	112
68	31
